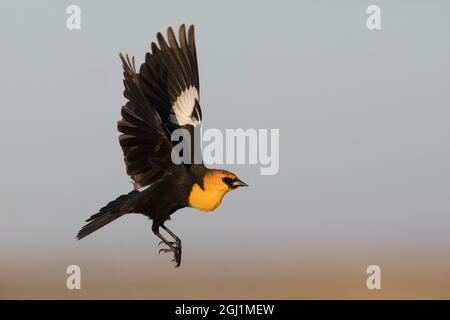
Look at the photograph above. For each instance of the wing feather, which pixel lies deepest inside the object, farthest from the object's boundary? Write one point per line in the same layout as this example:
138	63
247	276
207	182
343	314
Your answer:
162	97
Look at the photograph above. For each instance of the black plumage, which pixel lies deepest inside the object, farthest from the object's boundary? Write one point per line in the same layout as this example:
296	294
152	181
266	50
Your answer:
163	97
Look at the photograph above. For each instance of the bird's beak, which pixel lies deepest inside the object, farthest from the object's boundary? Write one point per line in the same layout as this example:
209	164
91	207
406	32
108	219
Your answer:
239	183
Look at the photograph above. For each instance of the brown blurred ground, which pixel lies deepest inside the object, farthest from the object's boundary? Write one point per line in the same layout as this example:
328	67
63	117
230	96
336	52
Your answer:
155	278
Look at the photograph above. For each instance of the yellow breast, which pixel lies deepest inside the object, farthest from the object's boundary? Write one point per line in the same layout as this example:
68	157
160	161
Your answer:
204	200
210	197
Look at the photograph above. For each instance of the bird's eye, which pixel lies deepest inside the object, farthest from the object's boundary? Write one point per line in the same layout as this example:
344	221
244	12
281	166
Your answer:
228	181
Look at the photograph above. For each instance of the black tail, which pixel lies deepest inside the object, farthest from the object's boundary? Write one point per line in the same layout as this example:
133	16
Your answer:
108	213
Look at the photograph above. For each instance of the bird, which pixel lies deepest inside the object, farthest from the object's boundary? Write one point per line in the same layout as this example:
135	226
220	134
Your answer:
162	97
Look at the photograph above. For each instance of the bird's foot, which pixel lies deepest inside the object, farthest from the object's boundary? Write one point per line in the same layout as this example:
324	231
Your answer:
172	243
174	247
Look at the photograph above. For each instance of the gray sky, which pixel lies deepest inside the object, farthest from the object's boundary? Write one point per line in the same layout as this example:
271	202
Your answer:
363	118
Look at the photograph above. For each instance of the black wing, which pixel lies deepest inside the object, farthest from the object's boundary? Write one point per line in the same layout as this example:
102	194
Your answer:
170	79
163	96
145	142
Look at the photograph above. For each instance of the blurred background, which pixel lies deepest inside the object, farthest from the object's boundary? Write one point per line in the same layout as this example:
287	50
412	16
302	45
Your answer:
364	151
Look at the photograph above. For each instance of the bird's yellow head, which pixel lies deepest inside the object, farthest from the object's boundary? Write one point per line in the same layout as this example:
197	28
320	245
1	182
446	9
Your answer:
216	183
223	180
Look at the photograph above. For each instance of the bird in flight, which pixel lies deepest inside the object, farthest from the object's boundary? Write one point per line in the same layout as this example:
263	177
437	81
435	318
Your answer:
163	97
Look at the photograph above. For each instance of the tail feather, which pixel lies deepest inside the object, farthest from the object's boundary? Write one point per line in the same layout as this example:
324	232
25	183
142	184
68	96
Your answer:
107	214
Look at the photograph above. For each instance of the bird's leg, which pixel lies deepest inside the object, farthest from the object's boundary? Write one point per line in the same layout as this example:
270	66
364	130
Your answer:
176	244
164	240
177	240
174	247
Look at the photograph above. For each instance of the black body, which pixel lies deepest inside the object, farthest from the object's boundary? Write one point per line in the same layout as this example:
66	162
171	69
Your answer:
153	111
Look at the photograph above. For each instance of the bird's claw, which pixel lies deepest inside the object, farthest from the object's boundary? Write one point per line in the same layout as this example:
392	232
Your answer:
172	243
176	249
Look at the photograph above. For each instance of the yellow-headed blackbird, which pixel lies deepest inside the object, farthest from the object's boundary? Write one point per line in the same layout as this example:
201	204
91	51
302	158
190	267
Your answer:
162	97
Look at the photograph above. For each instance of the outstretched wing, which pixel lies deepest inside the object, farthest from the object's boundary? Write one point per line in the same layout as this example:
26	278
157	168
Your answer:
163	97
170	82
145	142
170	79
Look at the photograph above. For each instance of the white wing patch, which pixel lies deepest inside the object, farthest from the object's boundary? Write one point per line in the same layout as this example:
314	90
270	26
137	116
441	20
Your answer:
183	107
